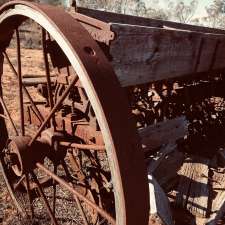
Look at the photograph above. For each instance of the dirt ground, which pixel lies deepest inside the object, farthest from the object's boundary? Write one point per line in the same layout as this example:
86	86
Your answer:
32	64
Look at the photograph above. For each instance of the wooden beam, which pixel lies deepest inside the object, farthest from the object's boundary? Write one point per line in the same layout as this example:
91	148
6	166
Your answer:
163	133
167	169
157	158
144	54
146	50
110	17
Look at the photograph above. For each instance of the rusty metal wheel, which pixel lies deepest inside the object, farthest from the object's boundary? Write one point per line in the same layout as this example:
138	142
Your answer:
68	145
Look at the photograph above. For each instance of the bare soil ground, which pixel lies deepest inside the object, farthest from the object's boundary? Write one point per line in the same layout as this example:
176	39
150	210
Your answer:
32	64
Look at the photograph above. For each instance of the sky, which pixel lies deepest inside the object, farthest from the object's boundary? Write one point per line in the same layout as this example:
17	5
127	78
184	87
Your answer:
200	12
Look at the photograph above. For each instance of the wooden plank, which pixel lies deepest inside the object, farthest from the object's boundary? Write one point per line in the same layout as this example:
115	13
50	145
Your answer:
145	54
111	17
221	157
199	191
159	204
218	203
183	186
193	190
159	156
154	136
219	59
166	173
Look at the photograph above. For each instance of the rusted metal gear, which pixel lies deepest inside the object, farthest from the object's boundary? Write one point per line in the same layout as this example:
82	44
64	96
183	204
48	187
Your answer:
97	78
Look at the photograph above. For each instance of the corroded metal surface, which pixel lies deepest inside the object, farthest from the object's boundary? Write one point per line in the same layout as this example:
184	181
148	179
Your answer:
81	107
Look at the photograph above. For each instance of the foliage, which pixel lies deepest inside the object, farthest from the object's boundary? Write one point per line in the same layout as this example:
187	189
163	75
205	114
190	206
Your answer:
3	1
181	12
216	14
175	10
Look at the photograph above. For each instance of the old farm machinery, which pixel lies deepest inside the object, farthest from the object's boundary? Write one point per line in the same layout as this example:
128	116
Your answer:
117	95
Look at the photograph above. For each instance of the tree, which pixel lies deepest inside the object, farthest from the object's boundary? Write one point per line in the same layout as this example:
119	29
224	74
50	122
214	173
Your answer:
3	1
134	7
181	12
216	14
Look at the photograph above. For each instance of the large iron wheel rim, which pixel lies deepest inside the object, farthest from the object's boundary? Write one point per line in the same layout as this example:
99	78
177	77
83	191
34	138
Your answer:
96	75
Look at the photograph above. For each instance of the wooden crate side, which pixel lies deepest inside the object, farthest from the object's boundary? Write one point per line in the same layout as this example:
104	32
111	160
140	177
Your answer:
144	54
110	17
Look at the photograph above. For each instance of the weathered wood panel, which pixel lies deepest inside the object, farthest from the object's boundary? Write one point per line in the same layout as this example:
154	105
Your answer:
167	178
159	156
207	51
144	54
110	17
163	133
219	54
193	190
218	203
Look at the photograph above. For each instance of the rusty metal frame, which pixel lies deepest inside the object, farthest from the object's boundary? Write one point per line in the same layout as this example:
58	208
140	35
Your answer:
98	29
99	80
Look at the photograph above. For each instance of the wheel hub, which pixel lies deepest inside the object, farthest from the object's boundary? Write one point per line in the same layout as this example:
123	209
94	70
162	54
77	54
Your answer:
23	157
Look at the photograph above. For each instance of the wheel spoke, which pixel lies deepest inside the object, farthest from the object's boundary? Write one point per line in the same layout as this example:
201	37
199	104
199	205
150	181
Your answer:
3	116
75	197
76	167
24	88
48	76
47	70
63	163
41	192
20	82
55	108
19	182
81	210
29	195
9	116
80	196
54	190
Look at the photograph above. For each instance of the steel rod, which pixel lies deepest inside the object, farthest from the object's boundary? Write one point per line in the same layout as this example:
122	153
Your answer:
19	182
44	198
83	146
80	196
20	82
9	117
81	210
75	164
63	163
48	76
29	195
54	190
3	116
55	108
75	197
47	70
24	88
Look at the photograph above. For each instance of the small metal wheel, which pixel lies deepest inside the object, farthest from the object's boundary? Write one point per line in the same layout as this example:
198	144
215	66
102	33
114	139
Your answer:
69	153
